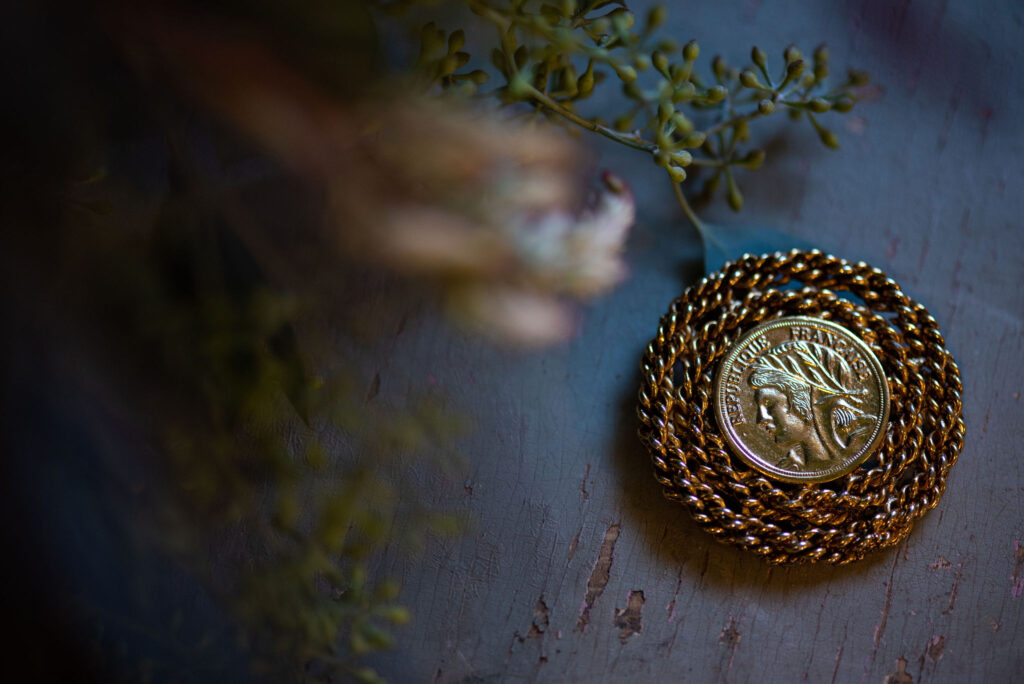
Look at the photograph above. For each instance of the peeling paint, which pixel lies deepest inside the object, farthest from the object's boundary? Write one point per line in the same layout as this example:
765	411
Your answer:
956	587
629	620
599	576
540	619
935	649
671	607
933	652
900	676
573	544
730	637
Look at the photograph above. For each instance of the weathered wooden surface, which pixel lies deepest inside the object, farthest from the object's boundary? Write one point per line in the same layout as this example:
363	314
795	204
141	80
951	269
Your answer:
576	569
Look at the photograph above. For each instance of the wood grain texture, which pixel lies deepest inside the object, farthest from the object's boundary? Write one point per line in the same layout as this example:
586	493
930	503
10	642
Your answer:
575	569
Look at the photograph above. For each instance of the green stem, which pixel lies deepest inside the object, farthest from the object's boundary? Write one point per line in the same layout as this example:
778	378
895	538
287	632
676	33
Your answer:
554	106
719	127
688	210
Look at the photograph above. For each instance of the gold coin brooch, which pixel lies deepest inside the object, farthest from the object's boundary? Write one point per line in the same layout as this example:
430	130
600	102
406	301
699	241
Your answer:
795	422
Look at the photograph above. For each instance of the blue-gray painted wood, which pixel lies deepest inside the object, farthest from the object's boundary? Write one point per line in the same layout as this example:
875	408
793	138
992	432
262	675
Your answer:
927	187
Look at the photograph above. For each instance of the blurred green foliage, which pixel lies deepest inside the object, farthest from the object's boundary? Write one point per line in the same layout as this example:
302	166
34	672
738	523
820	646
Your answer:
250	430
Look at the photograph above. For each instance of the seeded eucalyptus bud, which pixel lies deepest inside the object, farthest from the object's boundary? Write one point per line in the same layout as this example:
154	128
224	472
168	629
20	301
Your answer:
843	105
795	114
677	173
684	92
499	61
859	78
627	74
828	138
733	195
808	80
456	40
600	26
694	139
719	67
683	125
566	81
519	87
749	79
540	76
682	158
752	159
642	62
660	62
479	76
820	71
622	19
765	107
717	94
679	73
632	91
461	59
665	111
667	45
742	130
508	40
821	54
690	51
431	40
520	56
793	70
562	38
656	17
586	81
623	123
819	105
758	57
447	65
791	54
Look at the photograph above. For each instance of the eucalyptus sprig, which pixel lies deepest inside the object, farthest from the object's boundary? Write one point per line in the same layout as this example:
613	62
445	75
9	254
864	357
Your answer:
554	56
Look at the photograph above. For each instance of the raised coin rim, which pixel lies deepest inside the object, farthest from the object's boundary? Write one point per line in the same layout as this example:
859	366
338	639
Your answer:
755	461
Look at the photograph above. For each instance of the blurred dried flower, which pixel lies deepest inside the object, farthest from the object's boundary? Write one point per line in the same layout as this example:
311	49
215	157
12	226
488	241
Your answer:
481	206
505	243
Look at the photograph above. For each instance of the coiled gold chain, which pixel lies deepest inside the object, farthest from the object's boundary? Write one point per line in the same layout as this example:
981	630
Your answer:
871	508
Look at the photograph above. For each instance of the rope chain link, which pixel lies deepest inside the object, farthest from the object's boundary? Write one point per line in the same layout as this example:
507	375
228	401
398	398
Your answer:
871	508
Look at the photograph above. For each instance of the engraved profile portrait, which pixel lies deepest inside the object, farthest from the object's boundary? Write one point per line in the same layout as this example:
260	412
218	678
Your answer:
809	402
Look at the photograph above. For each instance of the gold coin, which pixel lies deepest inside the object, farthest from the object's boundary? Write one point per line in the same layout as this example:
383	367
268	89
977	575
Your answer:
802	399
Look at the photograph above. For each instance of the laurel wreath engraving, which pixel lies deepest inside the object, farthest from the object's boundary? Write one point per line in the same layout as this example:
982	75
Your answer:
800	366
